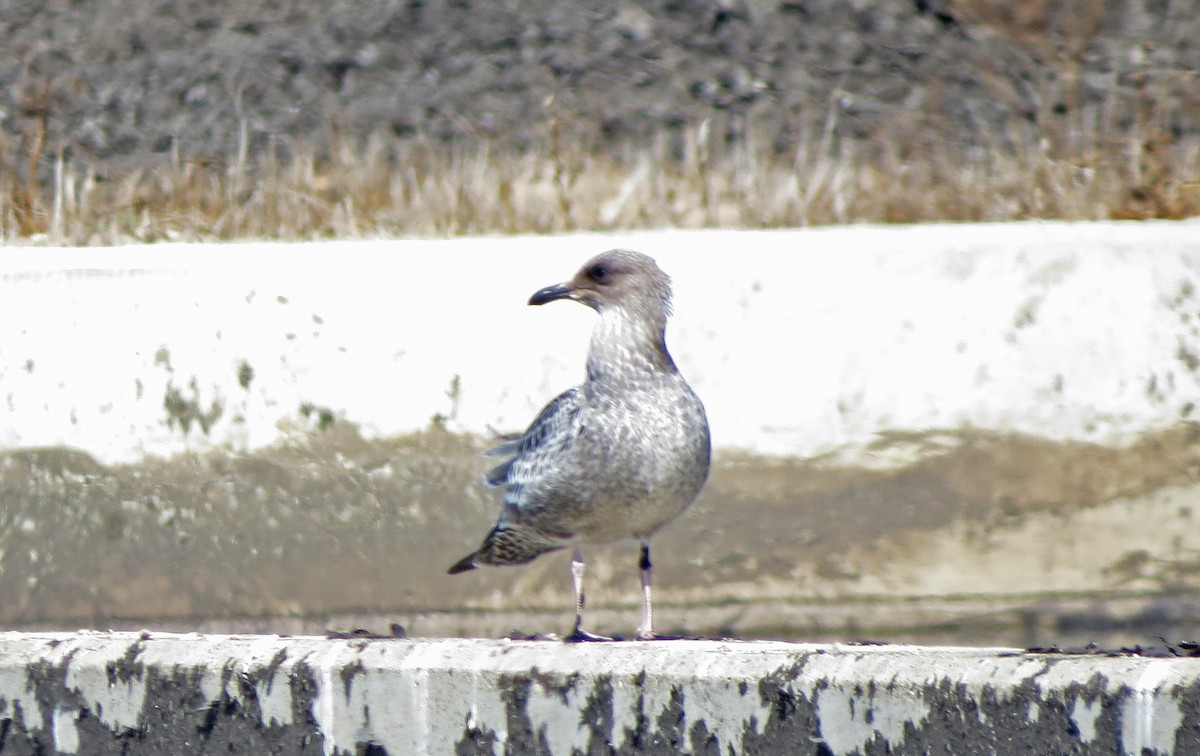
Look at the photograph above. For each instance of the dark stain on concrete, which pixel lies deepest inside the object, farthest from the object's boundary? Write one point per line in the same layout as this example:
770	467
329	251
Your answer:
701	741
46	682
178	717
1187	738
994	723
182	720
597	717
636	735
668	735
476	739
348	673
553	685
515	696
792	721
127	668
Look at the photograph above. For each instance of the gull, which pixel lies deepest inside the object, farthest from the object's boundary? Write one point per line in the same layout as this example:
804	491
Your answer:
618	456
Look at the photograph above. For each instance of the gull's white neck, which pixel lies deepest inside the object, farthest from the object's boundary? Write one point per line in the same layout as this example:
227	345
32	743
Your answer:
628	347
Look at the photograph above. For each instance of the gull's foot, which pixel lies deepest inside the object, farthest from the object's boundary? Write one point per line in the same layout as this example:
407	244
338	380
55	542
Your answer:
579	635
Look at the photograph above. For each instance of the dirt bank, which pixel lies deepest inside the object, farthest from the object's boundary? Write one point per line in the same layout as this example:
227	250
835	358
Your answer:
333	528
129	84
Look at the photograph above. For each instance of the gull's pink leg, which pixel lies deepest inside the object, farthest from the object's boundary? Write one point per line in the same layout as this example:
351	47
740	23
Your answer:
579	634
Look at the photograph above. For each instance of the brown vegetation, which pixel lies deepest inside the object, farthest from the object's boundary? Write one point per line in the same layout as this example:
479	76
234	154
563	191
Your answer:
381	186
1057	150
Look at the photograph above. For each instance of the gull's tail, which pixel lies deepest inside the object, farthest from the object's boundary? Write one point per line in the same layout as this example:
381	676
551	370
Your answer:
508	545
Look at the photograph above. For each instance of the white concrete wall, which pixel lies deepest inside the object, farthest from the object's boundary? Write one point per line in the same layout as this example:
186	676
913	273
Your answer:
156	693
800	342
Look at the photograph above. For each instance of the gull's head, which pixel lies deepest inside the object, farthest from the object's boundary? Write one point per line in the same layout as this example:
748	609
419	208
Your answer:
619	278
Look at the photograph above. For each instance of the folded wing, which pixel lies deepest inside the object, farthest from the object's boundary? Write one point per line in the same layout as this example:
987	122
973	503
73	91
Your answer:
538	454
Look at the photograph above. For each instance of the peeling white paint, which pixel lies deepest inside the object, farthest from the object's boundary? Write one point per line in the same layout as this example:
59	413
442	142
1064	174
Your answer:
421	719
719	702
1149	719
384	693
13	689
118	702
850	720
485	710
1084	714
1024	670
372	709
650	701
326	709
558	716
65	731
629	702
715	695
274	691
439	701
212	683
411	719
852	714
424	696
625	696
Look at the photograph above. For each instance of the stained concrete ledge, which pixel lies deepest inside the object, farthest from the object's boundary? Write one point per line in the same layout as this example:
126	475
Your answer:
157	693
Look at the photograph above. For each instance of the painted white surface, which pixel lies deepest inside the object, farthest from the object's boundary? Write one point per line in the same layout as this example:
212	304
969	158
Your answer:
1151	724
426	694
800	342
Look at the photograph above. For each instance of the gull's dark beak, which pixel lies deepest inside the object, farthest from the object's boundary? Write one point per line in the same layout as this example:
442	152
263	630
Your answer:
551	293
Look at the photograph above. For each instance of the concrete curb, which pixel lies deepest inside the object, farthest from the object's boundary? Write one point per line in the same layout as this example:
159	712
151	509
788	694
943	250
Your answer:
157	693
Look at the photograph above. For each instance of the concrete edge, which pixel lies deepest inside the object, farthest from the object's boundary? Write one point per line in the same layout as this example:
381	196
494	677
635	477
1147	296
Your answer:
166	693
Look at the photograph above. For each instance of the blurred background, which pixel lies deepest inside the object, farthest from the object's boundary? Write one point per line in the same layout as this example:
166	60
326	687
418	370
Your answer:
266	118
293	121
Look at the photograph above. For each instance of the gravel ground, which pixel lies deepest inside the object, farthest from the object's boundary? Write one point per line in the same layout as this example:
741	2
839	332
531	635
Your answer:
125	84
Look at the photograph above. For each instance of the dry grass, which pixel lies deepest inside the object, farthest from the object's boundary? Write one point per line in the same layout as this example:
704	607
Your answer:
1069	157
385	186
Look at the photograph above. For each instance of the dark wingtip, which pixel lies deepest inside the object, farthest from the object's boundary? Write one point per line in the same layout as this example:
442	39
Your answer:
463	565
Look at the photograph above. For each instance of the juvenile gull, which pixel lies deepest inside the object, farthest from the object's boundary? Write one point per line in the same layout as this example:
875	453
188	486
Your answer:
618	456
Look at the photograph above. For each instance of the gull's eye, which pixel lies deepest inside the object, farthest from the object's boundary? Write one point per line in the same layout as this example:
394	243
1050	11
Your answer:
599	273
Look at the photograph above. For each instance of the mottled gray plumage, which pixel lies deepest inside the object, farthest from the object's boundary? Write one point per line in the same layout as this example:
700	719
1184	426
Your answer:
618	456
